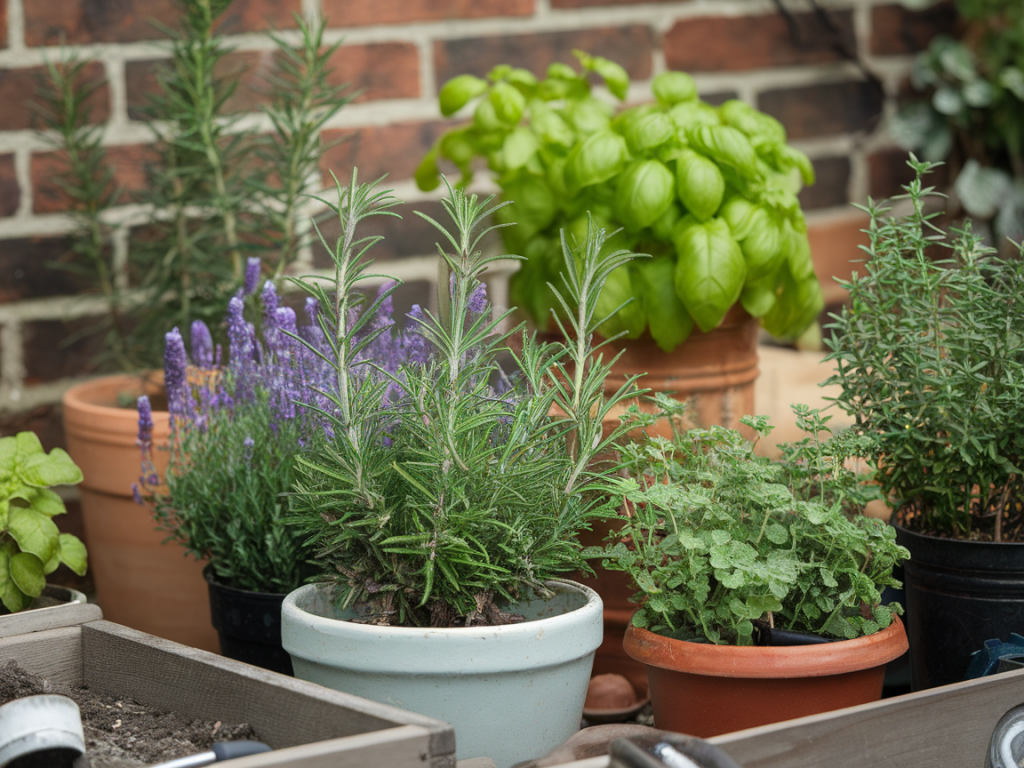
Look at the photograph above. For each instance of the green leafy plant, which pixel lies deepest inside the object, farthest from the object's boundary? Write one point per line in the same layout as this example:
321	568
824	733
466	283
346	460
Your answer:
717	537
445	490
974	114
930	362
212	204
709	192
30	544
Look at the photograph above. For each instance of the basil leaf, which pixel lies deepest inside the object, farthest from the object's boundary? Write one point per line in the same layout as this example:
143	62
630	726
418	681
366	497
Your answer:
673	87
597	158
798	304
27	574
615	77
758	296
644	192
457	147
738	213
691	114
663	228
550	126
668	321
726	146
589	115
752	122
709	272
617	290
700	184
520	145
533	206
798	253
458	91
72	553
508	102
485	118
649	131
762	248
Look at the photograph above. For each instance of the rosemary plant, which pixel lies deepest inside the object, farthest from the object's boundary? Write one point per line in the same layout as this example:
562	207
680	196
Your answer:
931	365
88	181
443	492
718	538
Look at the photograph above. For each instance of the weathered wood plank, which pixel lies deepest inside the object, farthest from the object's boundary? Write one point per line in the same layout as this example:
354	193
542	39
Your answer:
43	619
406	746
168	675
947	727
54	653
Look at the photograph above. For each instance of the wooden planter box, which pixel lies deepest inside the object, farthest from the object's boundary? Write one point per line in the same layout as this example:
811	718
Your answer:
947	727
307	725
54	616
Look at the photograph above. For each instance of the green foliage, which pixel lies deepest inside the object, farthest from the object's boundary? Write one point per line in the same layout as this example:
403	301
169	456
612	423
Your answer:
212	204
716	536
446	505
975	89
30	544
232	512
931	365
653	170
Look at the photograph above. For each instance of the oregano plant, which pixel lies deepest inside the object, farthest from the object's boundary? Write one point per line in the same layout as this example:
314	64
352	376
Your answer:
443	491
717	537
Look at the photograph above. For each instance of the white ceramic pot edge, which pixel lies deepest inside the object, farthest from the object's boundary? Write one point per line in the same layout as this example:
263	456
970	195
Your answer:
474	650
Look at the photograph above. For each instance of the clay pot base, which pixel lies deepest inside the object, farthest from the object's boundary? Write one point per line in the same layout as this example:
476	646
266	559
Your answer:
612	698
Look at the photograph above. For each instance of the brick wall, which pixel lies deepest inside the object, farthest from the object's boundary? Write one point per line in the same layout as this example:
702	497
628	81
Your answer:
400	52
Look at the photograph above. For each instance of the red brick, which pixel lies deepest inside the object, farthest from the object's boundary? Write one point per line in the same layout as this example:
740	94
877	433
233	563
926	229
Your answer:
830	188
131	166
27	266
19	89
888	172
49	22
10	191
394	150
44	420
346	13
58	349
593	3
824	110
381	70
897	30
3	24
629	45
730	44
250	67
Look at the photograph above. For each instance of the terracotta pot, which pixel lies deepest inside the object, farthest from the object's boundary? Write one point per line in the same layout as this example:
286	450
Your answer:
141	581
706	690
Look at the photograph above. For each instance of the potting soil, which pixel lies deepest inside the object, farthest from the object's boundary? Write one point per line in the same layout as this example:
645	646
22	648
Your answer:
120	732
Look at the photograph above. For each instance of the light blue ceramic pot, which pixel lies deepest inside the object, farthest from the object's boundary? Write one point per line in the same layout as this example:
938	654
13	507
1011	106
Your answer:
512	692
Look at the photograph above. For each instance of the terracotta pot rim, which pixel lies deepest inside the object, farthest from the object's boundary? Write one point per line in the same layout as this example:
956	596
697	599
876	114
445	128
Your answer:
90	396
767	662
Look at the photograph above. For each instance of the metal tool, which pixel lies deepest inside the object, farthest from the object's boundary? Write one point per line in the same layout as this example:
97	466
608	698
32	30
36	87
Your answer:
47	725
222	750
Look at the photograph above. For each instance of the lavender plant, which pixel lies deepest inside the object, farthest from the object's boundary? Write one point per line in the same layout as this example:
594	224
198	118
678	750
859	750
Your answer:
718	537
930	364
236	428
443	490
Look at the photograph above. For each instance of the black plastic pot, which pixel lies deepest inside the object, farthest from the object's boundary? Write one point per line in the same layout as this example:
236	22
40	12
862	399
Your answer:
249	625
959	594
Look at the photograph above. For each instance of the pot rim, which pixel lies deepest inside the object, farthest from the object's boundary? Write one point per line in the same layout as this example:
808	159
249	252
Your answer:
87	411
753	661
211	579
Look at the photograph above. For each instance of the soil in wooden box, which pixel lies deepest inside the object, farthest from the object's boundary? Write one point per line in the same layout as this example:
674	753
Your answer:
120	732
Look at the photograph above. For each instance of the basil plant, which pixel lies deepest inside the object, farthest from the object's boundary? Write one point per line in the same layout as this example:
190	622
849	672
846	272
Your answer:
709	192
30	544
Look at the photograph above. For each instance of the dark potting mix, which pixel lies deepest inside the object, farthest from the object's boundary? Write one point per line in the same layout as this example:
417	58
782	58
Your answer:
120	732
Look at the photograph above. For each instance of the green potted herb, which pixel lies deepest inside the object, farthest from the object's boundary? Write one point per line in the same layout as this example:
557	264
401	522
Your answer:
929	363
443	499
759	582
31	547
974	114
709	192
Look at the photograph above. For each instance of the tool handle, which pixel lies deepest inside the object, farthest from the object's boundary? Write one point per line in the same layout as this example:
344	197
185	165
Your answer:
228	750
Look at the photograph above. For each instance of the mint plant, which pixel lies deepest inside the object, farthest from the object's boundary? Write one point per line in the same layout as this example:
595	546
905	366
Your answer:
31	547
716	537
709	192
929	360
443	491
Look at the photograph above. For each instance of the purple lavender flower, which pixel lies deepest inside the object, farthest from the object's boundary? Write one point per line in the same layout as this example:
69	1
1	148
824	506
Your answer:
415	344
145	443
269	299
202	345
477	301
136	494
313	311
241	351
145	422
179	394
252	275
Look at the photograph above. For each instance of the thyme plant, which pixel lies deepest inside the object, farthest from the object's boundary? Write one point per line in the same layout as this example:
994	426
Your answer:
717	537
930	360
443	492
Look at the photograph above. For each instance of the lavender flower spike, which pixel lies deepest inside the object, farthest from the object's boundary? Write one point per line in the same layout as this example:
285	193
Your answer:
269	300
145	437
477	301
202	345
179	395
252	275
